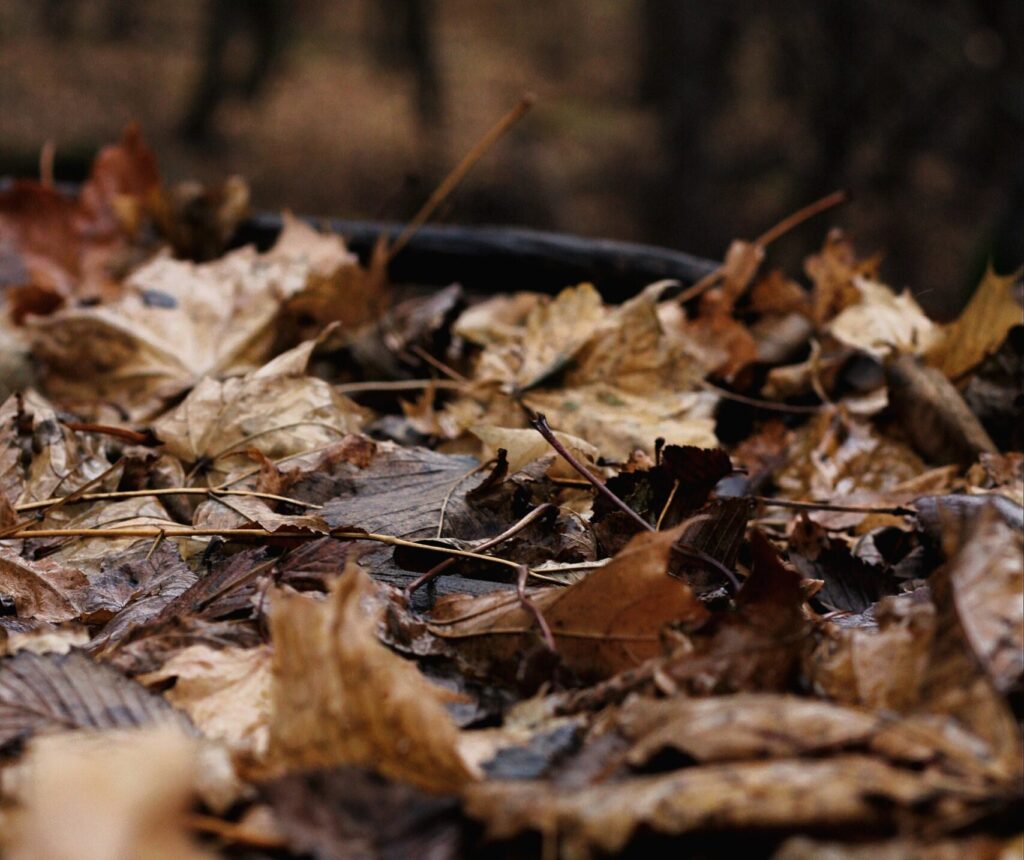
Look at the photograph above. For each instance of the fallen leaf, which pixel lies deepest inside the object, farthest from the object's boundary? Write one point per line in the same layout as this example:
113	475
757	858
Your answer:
45	589
839	792
750	726
552	333
365	705
981	327
608	622
883	323
114	794
523	446
225	692
879	666
277	409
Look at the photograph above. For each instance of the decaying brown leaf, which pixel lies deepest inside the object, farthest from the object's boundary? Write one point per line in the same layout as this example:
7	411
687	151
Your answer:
839	792
277	410
59	692
608	622
364	705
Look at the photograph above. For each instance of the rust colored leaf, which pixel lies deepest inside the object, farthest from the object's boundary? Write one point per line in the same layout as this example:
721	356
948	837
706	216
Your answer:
608	622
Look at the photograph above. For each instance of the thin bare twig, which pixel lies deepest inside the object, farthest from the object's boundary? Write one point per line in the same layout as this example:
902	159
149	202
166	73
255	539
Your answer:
766	238
166	491
397	385
760	404
510	532
895	510
540	424
458	173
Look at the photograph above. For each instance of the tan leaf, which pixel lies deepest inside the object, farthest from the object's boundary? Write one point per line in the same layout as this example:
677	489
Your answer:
109	795
618	423
225	691
46	590
979	598
980	328
276	409
877	667
362	705
176	322
606	623
337	288
524	446
883	323
832	271
551	335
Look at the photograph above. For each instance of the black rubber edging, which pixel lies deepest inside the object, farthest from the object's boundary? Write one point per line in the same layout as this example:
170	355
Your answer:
504	259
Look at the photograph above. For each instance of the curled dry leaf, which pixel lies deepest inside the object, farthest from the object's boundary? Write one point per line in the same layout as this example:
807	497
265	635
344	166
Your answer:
877	667
760	725
978	626
364	705
101	796
606	623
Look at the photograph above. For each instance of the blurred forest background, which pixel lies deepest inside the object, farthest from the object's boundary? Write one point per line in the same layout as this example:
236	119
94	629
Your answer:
667	121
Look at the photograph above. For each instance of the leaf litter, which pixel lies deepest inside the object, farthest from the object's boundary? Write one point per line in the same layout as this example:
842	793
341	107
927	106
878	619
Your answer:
297	562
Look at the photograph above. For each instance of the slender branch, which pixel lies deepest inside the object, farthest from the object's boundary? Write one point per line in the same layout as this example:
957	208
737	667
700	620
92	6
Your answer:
667	505
895	510
167	491
510	532
397	385
540	424
766	238
801	215
458	173
760	404
437	364
521	570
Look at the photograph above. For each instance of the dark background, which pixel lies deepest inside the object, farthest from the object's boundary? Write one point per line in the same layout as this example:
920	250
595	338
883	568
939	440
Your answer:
680	123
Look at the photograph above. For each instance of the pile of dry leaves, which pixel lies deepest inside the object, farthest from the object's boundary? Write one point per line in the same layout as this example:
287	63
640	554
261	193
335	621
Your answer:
734	566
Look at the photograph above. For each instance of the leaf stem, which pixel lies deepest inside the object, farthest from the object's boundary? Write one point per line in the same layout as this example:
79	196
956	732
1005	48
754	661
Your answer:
540	424
895	510
166	491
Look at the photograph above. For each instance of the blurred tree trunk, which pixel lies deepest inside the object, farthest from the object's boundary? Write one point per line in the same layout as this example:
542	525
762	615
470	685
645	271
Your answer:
684	78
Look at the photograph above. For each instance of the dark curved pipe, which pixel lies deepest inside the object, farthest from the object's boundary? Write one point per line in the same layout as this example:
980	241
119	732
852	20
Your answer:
500	259
494	259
